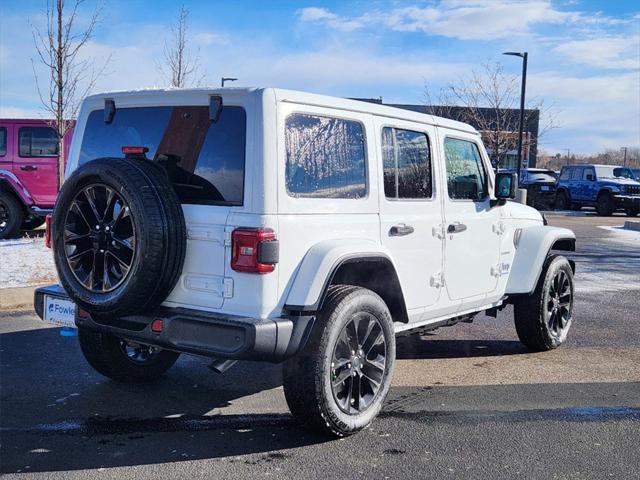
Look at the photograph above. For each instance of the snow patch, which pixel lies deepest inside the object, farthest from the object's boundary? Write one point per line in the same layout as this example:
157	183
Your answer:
25	262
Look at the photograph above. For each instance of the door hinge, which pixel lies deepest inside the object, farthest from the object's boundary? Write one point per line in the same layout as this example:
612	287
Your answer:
437	280
227	288
496	270
498	228
438	231
227	236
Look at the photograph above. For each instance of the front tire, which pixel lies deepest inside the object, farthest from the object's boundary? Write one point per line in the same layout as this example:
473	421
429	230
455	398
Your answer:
605	206
337	385
121	360
543	319
11	216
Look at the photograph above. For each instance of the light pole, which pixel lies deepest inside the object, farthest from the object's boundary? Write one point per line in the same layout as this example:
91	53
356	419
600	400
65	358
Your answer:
226	79
624	149
524	56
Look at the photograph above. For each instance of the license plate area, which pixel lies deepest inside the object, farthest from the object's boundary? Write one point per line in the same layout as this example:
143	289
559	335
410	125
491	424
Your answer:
59	311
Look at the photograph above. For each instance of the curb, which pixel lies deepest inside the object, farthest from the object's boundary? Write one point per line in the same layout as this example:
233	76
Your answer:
635	226
20	298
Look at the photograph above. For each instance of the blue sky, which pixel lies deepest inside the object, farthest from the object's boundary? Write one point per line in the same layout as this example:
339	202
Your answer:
584	56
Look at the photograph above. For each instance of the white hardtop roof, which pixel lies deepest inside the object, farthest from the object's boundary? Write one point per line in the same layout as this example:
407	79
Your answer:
304	98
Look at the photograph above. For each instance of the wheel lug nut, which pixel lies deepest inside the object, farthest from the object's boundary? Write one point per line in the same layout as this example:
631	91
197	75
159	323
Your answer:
348	365
113	243
97	227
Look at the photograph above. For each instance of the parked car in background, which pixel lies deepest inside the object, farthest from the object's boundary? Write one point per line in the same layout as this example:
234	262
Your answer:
28	173
540	184
606	187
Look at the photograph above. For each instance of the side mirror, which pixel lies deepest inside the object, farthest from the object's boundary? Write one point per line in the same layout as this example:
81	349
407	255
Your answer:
506	184
590	177
215	108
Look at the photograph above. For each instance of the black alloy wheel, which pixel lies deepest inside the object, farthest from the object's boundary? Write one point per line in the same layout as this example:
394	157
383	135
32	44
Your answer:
559	299
99	238
358	365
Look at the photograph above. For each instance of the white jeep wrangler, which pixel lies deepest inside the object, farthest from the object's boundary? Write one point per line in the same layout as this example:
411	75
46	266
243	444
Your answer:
281	226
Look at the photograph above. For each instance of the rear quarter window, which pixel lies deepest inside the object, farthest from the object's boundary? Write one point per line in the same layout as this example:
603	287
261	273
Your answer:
37	142
3	141
325	157
205	161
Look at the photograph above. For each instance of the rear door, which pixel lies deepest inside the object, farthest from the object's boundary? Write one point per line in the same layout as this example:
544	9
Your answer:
205	164
36	161
6	131
410	209
472	226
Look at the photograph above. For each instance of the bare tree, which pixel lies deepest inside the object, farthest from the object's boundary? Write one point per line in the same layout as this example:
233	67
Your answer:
489	100
179	67
70	77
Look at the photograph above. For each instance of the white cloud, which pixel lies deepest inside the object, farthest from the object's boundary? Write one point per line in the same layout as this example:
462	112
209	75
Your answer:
208	38
604	52
322	15
463	19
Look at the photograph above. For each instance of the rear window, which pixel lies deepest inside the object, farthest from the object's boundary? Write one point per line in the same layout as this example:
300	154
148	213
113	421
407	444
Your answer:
3	141
205	161
38	142
325	157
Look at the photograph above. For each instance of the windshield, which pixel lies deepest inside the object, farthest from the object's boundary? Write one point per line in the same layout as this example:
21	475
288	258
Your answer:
540	177
204	160
607	171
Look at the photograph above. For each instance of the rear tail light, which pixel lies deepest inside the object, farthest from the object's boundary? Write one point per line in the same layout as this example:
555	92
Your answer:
134	150
254	250
47	231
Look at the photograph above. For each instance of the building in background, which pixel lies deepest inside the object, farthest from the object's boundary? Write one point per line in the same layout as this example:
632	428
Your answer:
499	129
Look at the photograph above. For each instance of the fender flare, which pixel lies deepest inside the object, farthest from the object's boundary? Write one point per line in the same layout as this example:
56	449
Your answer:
319	265
12	184
533	248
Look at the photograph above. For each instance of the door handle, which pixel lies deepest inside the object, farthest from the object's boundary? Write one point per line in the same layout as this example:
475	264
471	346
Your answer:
28	168
456	227
400	230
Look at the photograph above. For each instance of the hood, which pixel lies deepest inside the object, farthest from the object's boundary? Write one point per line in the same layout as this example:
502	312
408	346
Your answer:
519	211
619	181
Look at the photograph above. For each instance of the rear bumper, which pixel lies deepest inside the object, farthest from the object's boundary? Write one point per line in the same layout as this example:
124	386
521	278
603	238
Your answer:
202	333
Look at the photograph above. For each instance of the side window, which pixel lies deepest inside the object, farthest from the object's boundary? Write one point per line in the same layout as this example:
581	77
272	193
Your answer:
466	175
406	161
3	141
565	174
325	157
589	174
38	142
577	173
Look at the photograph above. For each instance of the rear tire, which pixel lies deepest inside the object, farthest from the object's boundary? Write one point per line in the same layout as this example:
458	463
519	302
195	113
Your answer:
11	215
336	386
562	201
605	205
543	319
113	358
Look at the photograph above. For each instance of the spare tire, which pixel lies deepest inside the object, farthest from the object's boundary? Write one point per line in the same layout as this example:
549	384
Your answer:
118	236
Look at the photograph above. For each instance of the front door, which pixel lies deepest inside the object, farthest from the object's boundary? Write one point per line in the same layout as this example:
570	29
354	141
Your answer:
472	226
410	209
36	162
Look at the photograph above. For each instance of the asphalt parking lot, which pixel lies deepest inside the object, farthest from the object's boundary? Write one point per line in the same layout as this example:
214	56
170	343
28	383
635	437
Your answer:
467	401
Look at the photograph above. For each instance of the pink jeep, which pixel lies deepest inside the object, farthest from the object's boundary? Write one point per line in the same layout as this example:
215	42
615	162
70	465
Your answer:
28	173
